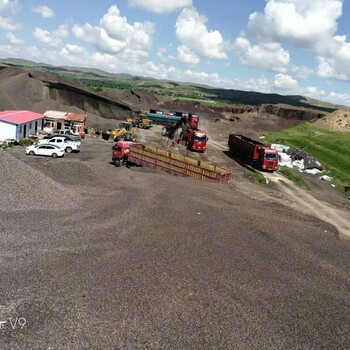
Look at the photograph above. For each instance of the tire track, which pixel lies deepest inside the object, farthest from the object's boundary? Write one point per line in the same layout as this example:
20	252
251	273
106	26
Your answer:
302	201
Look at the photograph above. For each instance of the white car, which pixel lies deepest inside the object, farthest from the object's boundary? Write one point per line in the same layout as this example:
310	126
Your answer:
62	142
45	150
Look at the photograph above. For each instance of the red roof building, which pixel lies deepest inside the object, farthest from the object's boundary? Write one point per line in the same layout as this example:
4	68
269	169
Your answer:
19	124
19	117
76	117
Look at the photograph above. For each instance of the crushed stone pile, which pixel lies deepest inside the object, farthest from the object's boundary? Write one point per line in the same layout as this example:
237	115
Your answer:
137	99
337	121
24	188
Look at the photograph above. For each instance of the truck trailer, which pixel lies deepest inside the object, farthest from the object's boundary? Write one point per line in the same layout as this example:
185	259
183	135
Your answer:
170	119
163	119
253	153
129	153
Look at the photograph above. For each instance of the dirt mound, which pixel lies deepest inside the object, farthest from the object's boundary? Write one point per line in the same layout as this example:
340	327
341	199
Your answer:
38	91
140	100
337	121
24	188
9	72
282	111
209	112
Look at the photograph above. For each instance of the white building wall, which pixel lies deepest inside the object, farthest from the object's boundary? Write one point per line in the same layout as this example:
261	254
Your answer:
7	131
30	128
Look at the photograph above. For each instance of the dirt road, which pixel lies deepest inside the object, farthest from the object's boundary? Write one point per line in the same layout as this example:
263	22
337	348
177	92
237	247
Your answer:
303	201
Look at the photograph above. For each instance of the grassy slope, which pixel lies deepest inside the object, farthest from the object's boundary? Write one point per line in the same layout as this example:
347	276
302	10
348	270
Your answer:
330	148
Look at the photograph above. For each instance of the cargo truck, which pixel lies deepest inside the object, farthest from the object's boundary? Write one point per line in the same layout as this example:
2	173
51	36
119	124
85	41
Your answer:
129	153
253	153
194	140
158	117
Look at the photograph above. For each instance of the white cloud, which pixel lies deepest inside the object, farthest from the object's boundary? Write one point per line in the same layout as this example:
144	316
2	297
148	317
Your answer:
301	72
75	54
259	84
285	82
45	11
10	6
53	39
13	40
116	36
333	68
185	55
310	25
6	24
162	54
192	31
98	37
161	6
339	98
270	56
305	22
10	50
334	63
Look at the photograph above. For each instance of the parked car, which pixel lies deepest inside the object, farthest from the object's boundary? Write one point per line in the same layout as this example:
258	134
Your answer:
45	150
67	132
67	137
68	145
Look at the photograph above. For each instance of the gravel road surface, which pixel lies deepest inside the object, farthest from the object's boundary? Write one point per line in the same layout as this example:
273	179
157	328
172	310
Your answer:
144	260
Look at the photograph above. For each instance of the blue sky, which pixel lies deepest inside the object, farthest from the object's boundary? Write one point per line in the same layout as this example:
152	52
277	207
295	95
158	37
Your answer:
283	46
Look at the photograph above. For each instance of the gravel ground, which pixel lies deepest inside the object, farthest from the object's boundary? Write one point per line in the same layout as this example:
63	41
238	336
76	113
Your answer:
152	261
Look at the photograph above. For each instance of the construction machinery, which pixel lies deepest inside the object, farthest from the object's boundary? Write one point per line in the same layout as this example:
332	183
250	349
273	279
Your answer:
189	135
126	132
142	123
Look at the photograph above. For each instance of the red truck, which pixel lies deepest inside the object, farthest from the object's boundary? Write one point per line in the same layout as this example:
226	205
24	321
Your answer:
193	120
194	139
130	154
253	153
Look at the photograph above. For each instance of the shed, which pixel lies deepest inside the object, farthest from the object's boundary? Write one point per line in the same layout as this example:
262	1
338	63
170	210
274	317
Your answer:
55	120
77	122
19	124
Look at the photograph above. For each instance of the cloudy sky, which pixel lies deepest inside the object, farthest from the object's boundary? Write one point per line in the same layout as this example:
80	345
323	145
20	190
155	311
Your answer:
283	46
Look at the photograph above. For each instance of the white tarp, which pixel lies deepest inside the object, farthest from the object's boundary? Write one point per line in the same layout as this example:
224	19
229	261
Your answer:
280	147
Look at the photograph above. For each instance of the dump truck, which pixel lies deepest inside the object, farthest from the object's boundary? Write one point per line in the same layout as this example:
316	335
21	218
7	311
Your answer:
253	153
120	152
128	153
194	140
190	136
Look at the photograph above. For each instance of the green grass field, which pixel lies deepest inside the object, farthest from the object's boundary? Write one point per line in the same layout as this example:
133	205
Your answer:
332	149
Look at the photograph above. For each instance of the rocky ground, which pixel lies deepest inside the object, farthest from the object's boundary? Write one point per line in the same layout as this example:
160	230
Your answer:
336	121
115	258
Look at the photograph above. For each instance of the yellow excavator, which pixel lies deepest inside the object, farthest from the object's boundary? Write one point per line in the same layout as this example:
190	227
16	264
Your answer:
126	132
142	123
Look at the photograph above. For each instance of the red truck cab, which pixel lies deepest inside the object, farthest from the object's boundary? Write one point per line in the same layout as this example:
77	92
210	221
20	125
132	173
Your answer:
120	152
193	120
268	158
197	140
